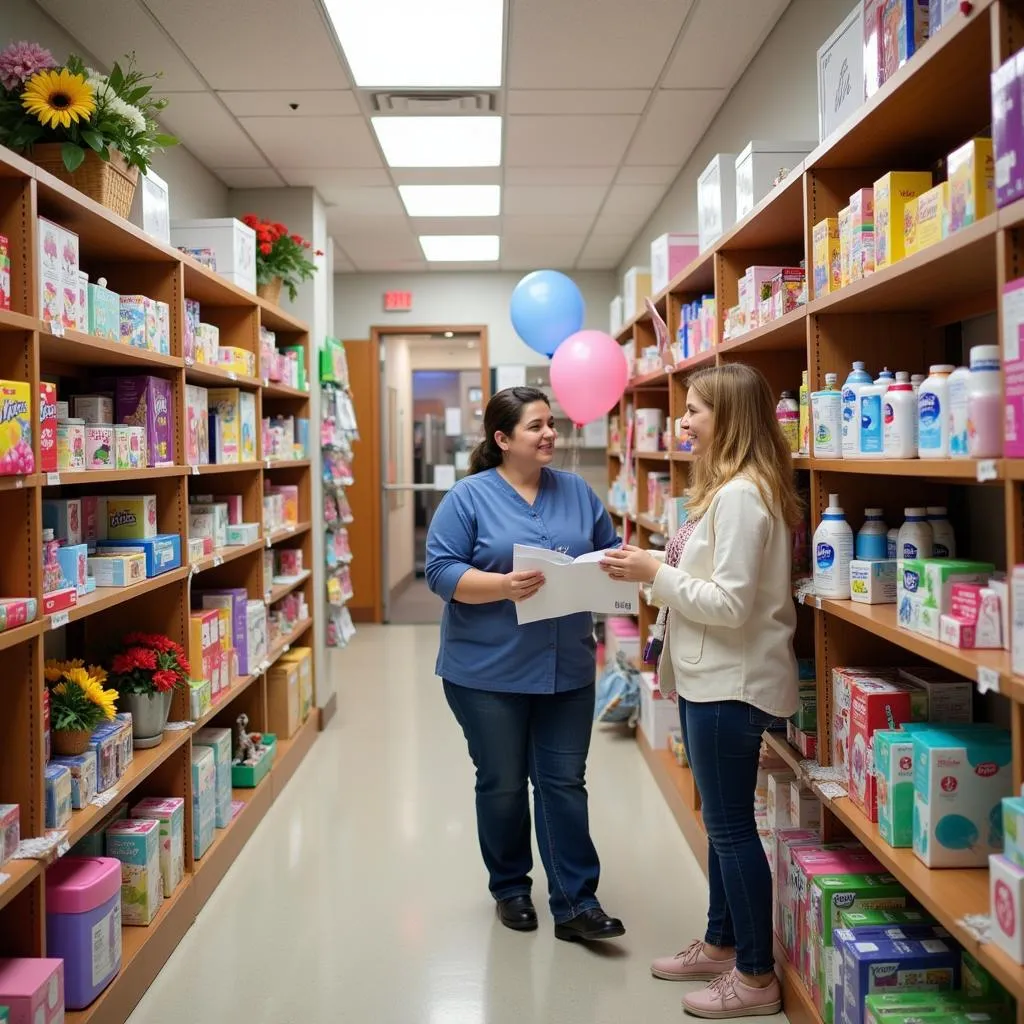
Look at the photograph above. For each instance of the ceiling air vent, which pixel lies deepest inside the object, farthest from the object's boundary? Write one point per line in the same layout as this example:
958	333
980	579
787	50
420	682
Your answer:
434	102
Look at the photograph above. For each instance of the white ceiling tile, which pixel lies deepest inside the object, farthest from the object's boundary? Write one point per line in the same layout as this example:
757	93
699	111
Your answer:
720	39
328	182
236	44
366	202
646	175
535	224
318	103
606	247
375	245
675	123
249	177
109	29
446	175
532	253
568	200
456	225
559	175
382	265
209	131
619	223
324	142
598	45
567	141
577	101
633	200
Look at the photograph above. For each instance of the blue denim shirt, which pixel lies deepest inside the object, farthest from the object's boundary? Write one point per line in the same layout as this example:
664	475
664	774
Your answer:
476	526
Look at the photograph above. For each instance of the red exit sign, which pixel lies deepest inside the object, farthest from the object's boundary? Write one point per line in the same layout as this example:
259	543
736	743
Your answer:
397	302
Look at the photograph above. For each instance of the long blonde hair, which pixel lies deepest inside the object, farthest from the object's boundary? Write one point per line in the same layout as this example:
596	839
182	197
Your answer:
747	440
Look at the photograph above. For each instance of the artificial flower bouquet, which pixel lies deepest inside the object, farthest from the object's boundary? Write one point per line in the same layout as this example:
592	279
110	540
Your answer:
78	703
280	255
149	663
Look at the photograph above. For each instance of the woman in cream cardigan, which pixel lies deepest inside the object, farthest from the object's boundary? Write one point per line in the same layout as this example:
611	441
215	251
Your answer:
727	624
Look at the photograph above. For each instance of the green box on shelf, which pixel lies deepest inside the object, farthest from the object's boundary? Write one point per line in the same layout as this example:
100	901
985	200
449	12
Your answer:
977	983
883	917
300	358
5	1015
249	776
806	716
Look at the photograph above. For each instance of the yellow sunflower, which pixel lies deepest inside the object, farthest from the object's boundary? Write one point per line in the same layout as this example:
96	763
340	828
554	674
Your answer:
55	670
58	98
93	690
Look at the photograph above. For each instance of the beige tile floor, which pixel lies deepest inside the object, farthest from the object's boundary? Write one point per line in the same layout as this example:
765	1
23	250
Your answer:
361	898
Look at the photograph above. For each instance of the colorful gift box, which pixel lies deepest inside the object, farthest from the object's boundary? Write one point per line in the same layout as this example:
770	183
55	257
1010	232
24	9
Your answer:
147	402
83	777
892	192
57	781
204	799
970	171
135	843
47	427
16	454
131	517
32	989
197	426
162	552
225	425
170	813
117	570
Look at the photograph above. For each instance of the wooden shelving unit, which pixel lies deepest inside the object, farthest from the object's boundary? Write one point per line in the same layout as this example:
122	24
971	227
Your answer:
31	351
903	316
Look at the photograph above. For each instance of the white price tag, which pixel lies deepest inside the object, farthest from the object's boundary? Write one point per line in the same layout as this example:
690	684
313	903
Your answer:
57	328
266	382
987	470
287	648
58	619
62	847
19	483
4	879
267	462
270	542
52	479
102	799
817	602
232	375
189	361
218	560
195	471
290	527
179	726
193	568
988	680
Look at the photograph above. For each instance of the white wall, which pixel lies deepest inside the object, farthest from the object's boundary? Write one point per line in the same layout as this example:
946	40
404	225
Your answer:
777	98
478	298
194	191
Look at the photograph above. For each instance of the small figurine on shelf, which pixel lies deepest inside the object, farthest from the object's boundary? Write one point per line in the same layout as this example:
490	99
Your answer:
248	747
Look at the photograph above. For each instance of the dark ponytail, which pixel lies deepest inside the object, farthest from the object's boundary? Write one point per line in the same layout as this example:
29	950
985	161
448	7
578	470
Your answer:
502	416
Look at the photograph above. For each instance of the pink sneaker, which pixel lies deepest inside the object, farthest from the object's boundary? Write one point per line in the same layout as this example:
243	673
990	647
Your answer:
727	996
691	965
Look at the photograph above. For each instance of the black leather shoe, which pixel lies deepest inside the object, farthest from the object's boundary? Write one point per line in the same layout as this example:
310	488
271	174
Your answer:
518	913
591	926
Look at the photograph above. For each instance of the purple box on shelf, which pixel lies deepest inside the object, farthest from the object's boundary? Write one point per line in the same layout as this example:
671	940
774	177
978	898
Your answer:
146	402
235	600
1008	129
191	327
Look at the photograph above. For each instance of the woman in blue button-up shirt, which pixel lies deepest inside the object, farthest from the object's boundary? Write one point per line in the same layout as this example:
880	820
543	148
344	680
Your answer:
523	695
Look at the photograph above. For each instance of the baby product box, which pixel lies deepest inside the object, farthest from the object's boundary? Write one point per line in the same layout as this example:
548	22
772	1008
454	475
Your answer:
862	234
247	426
47	427
873	582
960	778
210	519
894	782
1008	131
131	518
219	741
1013	829
970	171
104	311
828	271
136	844
197	426
235	601
225	424
32	989
146	402
636	287
1013	367
83	777
170	813
892	192
845	244
786	841
303	657
671	254
162	552
1006	899
58	795
932	216
233	246
204	799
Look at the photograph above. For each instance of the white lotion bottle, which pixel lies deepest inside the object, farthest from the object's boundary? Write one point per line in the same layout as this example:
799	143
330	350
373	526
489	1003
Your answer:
833	552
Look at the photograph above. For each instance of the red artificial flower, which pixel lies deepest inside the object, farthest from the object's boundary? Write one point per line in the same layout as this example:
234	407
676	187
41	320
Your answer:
319	252
297	239
183	664
251	220
144	658
164	680
280	228
266	248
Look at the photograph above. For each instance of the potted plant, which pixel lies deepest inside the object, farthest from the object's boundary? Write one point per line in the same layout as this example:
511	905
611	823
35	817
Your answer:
78	703
95	132
282	259
145	674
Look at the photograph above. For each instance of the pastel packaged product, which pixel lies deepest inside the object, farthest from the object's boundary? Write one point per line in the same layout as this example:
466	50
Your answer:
131	517
970	171
961	775
297	355
147	402
873	582
94	408
256	633
99	447
243	533
200	697
1006	899
862	234
946	1007
64	517
204	799
892	192
162	313
196	549
904	29
910	245
804	805
83	924
827	257
236	360
214	525
118	570
32	989
806	715
5	272
71	445
16	454
170	813
885	965
83	777
134	313
289	494
219	741
191	326
225	424
303	657
894	780
197	426
247	426
57	781
135	842
234	601
47	427
929	583
10	831
104	311
162	552
932	216
74	565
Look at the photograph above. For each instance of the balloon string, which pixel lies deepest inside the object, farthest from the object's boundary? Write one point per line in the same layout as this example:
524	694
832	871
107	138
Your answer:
575	447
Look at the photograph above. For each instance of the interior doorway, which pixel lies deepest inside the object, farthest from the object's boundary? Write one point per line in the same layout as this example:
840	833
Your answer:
434	384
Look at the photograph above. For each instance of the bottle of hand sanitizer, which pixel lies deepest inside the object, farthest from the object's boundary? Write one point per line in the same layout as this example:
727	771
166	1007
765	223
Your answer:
833	552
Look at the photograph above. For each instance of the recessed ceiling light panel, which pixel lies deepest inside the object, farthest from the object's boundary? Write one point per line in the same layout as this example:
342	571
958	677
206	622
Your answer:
439	141
460	248
451	200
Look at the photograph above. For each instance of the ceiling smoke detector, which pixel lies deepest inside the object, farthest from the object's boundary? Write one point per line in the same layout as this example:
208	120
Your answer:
434	102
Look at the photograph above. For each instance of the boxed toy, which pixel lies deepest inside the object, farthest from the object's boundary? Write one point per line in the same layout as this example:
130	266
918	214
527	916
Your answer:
204	799
234	601
197	426
131	517
170	813
1008	131
47	427
58	795
16	454
83	777
225	424
904	29
135	842
32	989
961	775
894	781
64	517
892	192
971	174
147	402
219	741
104	311
74	566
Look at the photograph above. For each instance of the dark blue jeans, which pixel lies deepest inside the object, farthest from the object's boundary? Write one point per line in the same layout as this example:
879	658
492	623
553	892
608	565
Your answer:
545	738
723	741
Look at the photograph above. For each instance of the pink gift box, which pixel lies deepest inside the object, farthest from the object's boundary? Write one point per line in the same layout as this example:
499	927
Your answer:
33	990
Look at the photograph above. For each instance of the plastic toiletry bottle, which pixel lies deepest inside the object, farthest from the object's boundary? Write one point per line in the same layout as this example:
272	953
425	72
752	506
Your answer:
872	537
933	413
833	552
915	537
943	538
958	381
827	420
899	419
851	409
916	381
787	412
892	543
872	396
985	404
886	376
805	413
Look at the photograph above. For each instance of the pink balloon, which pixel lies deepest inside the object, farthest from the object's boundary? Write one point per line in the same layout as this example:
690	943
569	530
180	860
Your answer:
588	375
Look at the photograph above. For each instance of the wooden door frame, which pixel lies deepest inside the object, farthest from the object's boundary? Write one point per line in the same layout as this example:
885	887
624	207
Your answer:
378	337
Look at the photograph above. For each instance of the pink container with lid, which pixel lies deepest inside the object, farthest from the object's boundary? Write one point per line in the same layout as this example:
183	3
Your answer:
83	924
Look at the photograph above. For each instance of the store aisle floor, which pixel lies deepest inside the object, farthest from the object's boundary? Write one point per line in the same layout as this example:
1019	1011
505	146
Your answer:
361	898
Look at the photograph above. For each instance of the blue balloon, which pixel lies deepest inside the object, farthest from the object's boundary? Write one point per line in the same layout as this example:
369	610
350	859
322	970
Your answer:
546	308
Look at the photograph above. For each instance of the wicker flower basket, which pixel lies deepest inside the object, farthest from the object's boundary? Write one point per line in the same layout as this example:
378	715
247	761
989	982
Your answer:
70	742
271	291
111	183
